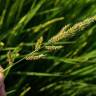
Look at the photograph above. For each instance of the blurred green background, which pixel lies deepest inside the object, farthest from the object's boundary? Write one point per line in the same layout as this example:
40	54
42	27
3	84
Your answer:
70	71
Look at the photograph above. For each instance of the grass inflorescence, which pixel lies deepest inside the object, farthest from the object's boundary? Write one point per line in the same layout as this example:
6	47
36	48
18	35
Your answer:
38	49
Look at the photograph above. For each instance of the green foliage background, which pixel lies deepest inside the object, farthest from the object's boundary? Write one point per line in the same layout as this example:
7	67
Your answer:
70	71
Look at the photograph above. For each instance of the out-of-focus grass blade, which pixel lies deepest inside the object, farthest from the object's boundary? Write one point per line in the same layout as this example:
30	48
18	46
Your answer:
21	3
15	9
41	26
85	71
37	74
10	92
87	56
25	91
2	17
25	19
48	11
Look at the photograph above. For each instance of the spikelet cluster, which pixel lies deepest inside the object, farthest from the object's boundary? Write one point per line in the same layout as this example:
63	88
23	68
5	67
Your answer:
35	57
67	32
39	43
10	57
52	48
59	35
